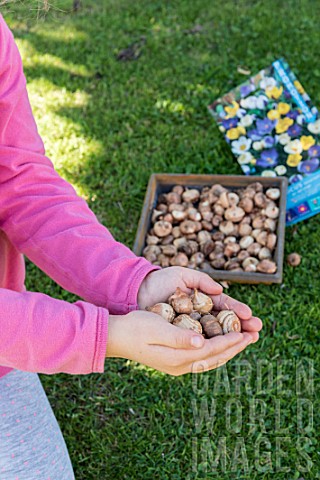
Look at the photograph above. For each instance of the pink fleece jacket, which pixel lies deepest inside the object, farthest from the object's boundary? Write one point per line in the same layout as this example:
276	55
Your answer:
42	217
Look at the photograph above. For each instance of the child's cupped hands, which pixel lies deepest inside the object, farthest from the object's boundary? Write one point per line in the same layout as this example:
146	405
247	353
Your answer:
149	339
160	284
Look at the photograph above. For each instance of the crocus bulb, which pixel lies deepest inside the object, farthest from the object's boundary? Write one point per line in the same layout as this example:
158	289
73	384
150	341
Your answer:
164	310
201	302
181	302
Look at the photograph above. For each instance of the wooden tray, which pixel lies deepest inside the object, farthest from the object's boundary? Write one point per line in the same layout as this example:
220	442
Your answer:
162	183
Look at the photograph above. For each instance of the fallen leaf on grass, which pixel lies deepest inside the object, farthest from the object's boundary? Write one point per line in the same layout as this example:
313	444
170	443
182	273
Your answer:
243	70
293	337
132	52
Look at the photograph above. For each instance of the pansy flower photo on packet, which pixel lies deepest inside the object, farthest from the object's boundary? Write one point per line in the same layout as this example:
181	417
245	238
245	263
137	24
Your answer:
274	130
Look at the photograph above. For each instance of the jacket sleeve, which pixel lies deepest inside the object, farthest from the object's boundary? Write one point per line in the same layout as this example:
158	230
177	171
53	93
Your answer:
41	334
44	217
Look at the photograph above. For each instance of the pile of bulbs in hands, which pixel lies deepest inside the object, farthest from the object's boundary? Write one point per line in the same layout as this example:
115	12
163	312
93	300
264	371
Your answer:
196	312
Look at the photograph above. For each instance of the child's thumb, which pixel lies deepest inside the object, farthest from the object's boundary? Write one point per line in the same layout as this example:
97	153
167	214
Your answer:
182	338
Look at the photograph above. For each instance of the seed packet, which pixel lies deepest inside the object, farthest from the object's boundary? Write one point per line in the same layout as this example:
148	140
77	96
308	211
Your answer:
273	130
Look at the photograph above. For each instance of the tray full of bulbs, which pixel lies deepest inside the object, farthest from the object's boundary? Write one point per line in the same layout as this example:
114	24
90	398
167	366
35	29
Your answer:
231	227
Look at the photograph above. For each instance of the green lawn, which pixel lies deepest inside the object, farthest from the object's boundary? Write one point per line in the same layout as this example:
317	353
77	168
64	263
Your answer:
107	125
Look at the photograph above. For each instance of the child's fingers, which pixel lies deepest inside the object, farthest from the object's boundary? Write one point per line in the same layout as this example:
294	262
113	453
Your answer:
232	340
194	279
182	340
254	324
217	360
215	346
171	336
223	302
255	336
222	343
219	350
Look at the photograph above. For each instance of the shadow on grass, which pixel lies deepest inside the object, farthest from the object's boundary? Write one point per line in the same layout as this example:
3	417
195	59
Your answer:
136	136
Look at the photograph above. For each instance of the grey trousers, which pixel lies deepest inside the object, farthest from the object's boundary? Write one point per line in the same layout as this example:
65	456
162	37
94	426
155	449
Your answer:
31	444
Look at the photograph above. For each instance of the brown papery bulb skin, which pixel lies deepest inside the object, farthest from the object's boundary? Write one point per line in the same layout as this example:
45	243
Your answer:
195	315
184	321
294	259
173	197
234	214
162	228
164	260
191	195
218	263
201	302
188	226
178	189
246	204
179	260
164	310
273	193
211	326
181	302
266	266
229	321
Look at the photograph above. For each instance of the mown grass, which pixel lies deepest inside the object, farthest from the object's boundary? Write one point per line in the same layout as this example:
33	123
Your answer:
107	125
